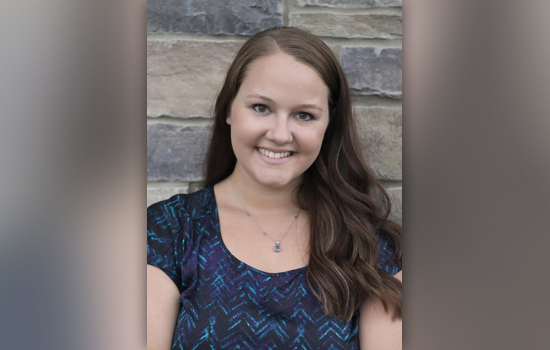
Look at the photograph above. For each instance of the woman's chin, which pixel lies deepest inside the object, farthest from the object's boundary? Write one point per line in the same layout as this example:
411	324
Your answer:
277	182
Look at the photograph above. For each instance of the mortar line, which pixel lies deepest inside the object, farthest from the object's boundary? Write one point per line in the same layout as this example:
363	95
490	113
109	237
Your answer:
153	37
166	184
347	11
392	184
363	42
180	121
376	101
358	42
286	12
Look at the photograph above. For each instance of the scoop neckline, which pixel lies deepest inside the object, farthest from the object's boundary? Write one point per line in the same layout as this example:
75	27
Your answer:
236	260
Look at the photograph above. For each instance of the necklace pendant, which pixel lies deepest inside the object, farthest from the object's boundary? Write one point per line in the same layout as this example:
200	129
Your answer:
277	247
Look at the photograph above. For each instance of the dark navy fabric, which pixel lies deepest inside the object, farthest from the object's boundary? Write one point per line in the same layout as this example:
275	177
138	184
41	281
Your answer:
226	304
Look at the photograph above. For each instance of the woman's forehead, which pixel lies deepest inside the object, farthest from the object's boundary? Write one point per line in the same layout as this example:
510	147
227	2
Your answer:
281	76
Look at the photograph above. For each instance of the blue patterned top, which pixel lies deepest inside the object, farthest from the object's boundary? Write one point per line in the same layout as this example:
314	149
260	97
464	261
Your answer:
227	304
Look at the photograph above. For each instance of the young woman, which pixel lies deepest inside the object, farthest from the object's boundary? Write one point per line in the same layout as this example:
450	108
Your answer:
285	246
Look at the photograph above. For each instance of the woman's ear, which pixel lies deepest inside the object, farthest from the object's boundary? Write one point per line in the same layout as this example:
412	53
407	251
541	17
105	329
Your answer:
228	120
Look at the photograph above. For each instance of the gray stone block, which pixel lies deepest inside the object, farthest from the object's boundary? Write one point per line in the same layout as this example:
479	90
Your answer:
380	133
350	3
157	193
349	26
183	77
396	198
242	17
373	71
176	153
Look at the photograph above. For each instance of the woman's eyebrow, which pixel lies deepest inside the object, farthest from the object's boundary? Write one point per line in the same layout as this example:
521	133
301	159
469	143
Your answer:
265	98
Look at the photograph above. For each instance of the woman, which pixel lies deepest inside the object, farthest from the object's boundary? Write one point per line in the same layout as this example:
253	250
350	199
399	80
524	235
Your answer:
285	246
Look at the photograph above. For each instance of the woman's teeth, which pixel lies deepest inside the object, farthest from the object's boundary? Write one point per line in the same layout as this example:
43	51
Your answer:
274	155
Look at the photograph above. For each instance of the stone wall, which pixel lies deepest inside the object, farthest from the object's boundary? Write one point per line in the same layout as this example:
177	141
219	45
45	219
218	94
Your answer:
190	44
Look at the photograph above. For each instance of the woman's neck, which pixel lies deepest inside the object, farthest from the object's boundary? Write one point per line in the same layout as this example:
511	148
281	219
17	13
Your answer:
258	197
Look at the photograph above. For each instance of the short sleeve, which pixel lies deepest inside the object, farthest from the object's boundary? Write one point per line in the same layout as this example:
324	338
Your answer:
386	258
166	226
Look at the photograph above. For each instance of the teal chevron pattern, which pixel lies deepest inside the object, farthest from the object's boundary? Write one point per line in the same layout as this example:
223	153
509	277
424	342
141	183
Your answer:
226	304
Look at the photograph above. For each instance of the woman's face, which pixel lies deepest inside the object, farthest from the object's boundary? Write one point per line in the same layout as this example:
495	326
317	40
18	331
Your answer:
281	107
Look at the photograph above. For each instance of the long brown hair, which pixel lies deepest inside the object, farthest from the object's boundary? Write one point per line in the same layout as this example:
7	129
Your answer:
348	207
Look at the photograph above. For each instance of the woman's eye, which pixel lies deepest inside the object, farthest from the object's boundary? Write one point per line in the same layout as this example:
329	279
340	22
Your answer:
304	116
262	109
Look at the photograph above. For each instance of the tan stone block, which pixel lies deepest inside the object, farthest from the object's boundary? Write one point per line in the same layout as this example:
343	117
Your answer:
380	134
160	192
195	186
396	198
349	26
183	76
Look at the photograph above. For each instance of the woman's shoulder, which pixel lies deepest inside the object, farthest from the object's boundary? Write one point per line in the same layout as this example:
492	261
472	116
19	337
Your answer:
193	206
387	260
170	230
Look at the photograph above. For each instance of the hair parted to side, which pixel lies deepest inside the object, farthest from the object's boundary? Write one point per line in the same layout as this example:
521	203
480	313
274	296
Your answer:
339	191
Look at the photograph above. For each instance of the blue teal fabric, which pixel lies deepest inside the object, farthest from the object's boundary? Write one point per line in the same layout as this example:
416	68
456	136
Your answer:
227	304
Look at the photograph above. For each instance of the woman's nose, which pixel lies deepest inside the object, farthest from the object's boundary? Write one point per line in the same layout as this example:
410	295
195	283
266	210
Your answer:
279	131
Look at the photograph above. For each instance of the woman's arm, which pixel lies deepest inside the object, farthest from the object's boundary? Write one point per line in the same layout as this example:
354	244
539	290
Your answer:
162	309
377	331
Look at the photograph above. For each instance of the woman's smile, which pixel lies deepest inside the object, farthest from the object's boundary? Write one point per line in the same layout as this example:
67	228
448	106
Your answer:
272	157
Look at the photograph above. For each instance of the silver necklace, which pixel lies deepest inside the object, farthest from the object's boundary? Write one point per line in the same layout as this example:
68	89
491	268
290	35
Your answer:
277	246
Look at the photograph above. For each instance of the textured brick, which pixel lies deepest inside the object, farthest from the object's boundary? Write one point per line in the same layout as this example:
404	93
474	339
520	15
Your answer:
350	3
373	73
157	193
183	77
242	17
396	198
349	26
380	133
176	153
